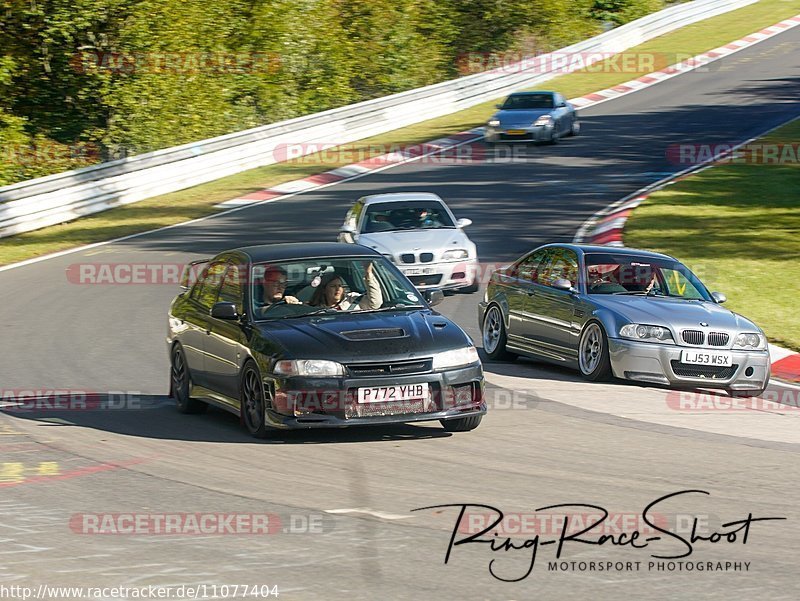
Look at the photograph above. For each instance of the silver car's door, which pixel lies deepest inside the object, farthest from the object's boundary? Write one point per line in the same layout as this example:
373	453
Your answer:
519	296
555	309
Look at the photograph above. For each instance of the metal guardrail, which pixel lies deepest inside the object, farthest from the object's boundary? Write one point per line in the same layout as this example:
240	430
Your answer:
54	199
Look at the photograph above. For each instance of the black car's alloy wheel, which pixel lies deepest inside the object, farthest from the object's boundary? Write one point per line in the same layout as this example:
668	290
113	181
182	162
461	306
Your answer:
575	128
593	358
253	405
181	384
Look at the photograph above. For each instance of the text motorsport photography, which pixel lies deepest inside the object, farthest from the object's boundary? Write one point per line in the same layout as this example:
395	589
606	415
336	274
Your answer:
667	541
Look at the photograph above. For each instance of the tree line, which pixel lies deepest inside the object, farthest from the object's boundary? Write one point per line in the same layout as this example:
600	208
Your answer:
85	81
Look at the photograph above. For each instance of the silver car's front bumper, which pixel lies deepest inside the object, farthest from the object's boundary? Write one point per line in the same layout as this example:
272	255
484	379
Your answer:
531	133
661	364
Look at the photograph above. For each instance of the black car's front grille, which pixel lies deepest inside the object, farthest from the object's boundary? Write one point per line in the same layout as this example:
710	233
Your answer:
693	337
426	257
395	368
407	258
718	338
425	280
390	408
703	371
374	334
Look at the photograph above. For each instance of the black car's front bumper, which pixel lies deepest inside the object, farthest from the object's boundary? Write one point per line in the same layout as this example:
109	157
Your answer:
300	402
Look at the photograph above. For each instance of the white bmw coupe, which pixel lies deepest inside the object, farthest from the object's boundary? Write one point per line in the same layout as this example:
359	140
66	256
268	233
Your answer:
419	233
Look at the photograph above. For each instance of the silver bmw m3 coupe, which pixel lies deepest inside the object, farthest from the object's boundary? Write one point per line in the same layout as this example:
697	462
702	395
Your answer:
621	312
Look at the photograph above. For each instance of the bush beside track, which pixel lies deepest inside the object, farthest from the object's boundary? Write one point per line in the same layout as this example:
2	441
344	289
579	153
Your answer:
199	201
738	226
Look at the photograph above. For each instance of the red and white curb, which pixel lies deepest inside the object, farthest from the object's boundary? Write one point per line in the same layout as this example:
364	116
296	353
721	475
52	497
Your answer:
696	62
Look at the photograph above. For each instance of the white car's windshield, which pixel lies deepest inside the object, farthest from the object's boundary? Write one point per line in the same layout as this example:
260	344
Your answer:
628	274
289	289
387	217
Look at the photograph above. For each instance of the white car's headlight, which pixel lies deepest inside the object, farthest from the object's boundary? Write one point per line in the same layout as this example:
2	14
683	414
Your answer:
452	255
646	333
309	367
494	123
455	358
750	340
543	120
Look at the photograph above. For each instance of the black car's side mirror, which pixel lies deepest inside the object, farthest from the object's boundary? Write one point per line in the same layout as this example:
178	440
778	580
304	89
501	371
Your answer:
224	311
434	296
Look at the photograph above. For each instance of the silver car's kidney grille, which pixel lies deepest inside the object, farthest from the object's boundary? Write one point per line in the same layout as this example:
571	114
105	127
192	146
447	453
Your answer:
426	257
407	258
693	337
718	338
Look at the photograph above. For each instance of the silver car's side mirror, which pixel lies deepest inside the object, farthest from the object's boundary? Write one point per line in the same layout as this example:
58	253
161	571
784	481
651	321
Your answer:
562	284
464	222
348	235
718	297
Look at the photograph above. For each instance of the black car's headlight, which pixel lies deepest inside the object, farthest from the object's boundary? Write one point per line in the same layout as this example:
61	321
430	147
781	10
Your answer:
645	333
494	123
455	358
543	120
750	341
313	368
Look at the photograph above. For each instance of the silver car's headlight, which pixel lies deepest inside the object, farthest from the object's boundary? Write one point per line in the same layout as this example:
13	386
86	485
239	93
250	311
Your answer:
494	123
458	253
646	333
750	341
455	358
543	120
318	368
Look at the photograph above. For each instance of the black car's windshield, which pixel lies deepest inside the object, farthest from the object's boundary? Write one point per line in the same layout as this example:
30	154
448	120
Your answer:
609	273
418	214
528	101
298	288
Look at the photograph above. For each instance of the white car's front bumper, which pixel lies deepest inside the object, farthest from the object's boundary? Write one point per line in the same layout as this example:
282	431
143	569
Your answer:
444	274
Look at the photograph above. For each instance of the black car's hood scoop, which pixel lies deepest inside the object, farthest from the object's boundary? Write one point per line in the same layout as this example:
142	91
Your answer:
374	334
365	336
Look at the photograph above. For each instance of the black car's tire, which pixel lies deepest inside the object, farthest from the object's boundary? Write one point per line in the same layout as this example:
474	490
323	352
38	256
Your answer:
493	334
575	127
253	403
461	424
180	381
593	359
554	137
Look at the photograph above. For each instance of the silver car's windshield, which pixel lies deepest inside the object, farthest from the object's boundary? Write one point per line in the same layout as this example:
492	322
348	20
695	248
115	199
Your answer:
419	214
290	289
640	275
528	101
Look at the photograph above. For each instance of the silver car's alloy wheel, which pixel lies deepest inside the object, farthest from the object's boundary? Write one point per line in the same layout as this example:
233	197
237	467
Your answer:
492	330
591	349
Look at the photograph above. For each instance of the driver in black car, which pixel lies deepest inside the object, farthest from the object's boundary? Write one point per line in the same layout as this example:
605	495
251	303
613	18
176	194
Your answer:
273	286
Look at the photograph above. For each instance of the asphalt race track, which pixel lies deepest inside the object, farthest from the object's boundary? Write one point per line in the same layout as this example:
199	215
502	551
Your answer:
341	500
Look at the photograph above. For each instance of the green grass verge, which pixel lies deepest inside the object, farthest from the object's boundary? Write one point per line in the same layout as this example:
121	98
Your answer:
737	225
199	200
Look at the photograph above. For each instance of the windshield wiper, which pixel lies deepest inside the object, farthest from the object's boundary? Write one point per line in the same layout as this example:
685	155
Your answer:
395	306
